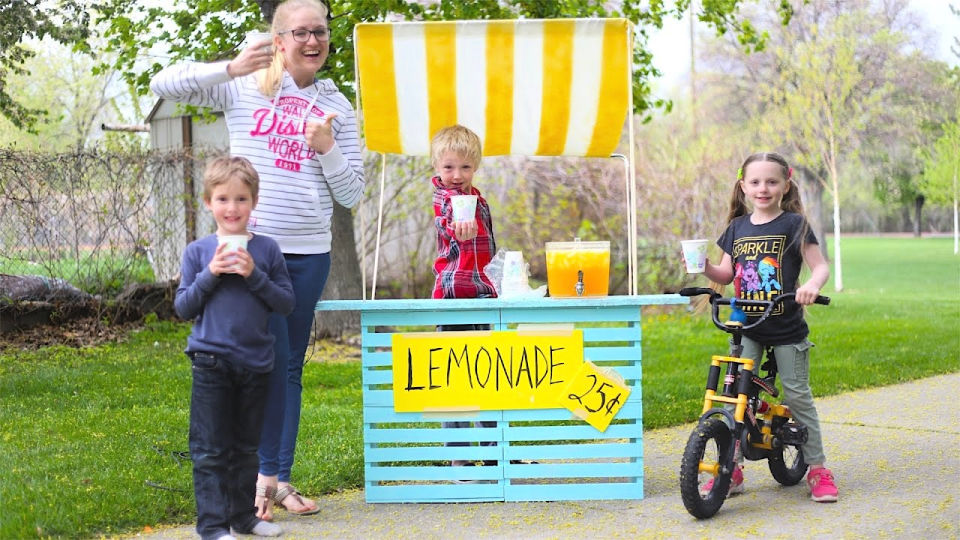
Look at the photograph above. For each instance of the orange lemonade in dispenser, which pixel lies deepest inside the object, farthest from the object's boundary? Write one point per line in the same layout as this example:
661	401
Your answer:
565	261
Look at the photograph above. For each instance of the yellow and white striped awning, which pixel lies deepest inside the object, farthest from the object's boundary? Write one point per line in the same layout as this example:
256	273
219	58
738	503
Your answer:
557	87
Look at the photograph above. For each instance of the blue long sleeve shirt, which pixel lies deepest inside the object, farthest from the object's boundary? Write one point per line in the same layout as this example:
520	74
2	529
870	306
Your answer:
230	313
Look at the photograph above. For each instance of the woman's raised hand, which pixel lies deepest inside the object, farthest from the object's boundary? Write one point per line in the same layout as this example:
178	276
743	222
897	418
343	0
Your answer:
255	57
319	135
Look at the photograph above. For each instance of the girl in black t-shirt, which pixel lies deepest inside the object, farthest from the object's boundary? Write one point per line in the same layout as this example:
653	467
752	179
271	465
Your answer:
764	246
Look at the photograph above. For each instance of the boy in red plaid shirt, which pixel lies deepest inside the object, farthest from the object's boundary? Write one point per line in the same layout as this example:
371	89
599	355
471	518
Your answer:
463	247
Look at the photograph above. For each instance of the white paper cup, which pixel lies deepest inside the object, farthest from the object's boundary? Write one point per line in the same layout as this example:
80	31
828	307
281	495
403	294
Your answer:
464	207
233	241
253	37
694	255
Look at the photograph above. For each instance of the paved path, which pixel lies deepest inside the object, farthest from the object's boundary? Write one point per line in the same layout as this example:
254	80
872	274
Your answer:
895	453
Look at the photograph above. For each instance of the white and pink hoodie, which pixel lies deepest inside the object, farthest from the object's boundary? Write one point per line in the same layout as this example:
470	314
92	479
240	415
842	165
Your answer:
298	186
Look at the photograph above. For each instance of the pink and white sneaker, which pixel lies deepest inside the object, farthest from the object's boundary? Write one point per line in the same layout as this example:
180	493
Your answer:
736	484
822	488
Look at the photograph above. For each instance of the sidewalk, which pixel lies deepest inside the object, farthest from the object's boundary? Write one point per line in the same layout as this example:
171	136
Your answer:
895	453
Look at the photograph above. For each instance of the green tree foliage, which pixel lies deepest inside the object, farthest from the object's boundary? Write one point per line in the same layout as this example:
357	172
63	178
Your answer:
941	175
213	29
844	91
942	165
75	102
65	21
854	98
828	113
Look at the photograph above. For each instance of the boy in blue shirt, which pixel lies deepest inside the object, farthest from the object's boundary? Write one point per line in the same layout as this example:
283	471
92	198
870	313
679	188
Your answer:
230	293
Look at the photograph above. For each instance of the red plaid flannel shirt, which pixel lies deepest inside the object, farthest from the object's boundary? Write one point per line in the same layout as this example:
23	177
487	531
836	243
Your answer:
459	265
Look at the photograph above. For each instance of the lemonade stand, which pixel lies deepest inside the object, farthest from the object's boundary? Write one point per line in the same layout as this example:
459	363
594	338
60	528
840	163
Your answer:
558	378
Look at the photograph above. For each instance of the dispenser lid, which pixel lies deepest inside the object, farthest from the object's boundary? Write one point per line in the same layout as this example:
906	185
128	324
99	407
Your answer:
577	244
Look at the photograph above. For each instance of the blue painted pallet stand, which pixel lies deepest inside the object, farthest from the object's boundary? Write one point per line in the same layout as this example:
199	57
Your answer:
540	454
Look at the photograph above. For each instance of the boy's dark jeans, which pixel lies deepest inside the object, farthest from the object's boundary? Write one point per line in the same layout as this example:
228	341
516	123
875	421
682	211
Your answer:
226	416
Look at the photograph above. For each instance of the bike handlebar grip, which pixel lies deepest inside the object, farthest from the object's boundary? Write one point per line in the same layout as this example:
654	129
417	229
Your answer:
695	291
822	300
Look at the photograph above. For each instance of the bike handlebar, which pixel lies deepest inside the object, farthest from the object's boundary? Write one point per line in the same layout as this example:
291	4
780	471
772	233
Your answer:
717	300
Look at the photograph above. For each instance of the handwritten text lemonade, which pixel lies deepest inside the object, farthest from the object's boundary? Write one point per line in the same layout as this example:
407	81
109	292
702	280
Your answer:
482	370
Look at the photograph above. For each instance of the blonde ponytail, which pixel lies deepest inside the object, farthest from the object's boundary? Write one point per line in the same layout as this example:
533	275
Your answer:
270	78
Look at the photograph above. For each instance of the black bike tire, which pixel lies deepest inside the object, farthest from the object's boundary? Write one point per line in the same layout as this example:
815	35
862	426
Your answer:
787	475
711	429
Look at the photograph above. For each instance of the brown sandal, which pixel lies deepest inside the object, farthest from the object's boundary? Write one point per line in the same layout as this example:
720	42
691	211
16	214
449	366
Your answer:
287	491
264	496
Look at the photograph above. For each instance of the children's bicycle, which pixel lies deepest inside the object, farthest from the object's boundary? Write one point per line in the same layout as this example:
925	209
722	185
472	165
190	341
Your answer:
755	428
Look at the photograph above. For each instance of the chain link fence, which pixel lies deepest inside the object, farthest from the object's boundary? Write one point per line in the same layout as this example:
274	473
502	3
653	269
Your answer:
98	220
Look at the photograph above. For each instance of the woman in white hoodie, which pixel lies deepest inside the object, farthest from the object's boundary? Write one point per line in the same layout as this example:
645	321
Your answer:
300	133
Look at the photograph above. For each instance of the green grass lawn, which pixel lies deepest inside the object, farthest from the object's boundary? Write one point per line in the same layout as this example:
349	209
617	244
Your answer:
90	437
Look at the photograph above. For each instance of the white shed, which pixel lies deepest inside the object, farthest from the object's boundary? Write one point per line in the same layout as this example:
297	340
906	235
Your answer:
179	217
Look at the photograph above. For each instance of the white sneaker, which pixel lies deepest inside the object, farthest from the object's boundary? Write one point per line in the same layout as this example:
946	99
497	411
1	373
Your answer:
262	528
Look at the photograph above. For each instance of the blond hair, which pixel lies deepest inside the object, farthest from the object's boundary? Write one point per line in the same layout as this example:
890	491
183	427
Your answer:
269	79
457	139
222	169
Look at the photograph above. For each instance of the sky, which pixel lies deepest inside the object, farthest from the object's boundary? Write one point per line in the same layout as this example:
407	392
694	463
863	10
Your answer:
671	45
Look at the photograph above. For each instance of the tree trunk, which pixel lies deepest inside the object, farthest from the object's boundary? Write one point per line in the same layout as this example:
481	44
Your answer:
837	266
918	207
956	231
344	281
267	8
812	192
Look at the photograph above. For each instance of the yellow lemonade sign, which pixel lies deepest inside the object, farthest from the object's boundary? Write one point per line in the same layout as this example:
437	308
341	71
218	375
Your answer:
495	370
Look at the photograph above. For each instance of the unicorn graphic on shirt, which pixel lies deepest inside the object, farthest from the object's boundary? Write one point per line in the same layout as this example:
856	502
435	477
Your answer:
767	270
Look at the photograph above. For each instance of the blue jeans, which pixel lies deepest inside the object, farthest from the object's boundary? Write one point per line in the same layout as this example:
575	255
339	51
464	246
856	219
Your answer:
226	414
308	273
